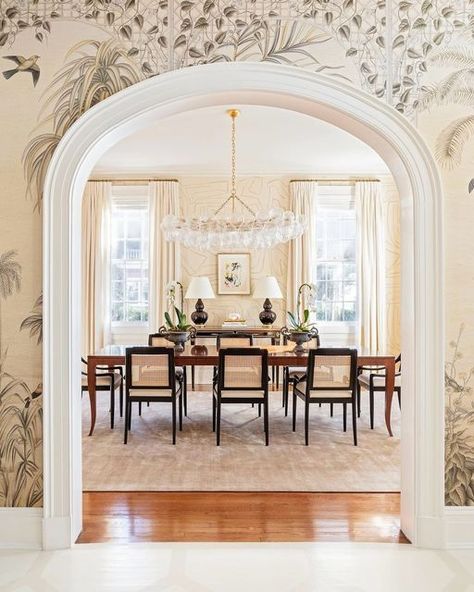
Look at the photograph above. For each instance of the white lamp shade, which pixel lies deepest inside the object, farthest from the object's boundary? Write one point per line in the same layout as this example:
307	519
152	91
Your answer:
199	287
267	287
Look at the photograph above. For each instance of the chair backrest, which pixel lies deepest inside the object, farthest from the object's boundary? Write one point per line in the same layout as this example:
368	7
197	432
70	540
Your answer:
150	368
332	369
243	369
234	340
157	340
398	364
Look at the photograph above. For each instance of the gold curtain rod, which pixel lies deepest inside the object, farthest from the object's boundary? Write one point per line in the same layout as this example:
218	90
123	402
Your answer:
336	180
117	181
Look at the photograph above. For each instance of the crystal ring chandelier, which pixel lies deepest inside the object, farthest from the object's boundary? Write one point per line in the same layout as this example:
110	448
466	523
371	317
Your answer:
234	224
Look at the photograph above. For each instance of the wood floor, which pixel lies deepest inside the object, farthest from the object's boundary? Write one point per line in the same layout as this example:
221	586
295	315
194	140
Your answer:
125	517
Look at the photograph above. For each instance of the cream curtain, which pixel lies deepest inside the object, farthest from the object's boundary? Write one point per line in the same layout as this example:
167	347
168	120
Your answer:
302	250
371	266
96	219
165	260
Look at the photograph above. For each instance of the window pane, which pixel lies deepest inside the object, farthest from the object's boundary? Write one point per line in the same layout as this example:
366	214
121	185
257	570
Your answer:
117	311
336	272
118	249
129	272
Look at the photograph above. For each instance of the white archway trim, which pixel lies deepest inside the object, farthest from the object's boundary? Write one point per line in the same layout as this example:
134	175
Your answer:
363	116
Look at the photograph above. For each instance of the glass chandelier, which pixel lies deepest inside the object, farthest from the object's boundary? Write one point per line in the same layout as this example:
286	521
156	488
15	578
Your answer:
234	224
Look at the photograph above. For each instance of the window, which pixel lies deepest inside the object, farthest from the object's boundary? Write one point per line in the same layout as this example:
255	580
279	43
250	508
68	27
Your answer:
129	256
336	272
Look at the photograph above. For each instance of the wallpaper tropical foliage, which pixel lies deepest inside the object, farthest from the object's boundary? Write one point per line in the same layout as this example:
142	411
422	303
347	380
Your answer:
61	58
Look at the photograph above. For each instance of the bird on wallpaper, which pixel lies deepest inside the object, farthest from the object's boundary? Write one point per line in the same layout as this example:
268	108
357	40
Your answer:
23	65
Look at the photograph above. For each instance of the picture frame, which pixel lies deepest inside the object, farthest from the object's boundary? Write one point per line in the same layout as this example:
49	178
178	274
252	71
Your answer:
233	273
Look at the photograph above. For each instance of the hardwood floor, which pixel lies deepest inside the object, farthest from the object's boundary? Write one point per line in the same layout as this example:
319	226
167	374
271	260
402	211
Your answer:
241	517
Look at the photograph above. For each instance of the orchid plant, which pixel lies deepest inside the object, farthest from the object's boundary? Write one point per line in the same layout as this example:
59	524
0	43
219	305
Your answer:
181	324
299	320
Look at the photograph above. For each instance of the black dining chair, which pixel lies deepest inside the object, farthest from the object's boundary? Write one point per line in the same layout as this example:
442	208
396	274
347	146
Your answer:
242	377
331	378
150	376
157	340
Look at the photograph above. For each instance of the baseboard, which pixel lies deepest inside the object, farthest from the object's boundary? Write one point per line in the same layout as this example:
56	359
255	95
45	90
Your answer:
459	528
21	528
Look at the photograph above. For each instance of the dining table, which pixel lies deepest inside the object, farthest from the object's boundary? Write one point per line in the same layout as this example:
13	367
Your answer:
208	355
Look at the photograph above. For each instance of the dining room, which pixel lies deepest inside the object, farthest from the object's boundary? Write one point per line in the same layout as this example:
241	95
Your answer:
240	263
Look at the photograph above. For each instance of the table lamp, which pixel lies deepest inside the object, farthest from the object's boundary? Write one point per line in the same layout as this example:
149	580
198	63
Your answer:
199	287
267	287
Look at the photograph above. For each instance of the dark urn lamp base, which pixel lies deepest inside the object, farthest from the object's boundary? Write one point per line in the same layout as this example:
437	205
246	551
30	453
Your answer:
267	316
199	316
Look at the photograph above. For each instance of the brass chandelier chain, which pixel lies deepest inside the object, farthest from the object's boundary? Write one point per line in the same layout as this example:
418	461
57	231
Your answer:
233	197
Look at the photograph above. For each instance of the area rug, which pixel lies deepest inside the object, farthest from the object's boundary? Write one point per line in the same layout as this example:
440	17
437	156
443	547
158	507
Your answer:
149	462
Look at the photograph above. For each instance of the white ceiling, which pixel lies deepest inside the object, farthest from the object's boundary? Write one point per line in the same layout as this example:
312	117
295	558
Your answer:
269	141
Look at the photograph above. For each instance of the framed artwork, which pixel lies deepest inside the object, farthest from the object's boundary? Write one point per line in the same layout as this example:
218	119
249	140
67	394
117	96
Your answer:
233	273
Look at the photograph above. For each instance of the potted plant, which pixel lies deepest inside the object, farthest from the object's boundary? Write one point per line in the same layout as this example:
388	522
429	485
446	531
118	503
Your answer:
300	329
178	332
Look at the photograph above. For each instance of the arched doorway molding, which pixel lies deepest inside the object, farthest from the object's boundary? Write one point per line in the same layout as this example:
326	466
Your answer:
367	118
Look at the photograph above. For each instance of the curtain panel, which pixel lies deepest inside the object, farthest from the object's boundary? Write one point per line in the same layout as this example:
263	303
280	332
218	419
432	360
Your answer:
302	250
96	240
371	266
165	257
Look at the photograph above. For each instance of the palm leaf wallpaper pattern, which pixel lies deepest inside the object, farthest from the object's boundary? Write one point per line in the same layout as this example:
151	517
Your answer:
416	56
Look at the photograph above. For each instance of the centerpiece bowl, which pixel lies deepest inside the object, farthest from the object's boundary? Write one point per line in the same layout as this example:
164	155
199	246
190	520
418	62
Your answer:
299	338
179	332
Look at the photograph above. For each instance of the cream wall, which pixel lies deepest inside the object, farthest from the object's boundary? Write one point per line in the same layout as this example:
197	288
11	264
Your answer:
401	52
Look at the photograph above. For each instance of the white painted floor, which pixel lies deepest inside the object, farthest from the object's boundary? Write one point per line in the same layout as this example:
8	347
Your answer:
262	567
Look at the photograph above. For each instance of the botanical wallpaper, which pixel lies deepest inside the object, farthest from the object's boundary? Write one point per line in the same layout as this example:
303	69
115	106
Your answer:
60	58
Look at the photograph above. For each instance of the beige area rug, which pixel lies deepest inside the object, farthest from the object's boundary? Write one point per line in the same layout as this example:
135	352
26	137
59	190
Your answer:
149	462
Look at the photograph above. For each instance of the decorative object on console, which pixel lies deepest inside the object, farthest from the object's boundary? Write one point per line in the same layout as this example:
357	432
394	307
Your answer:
267	287
301	330
179	332
233	273
199	287
262	229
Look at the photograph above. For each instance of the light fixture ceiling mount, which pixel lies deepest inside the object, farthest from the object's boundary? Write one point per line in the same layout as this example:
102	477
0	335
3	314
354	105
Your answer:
241	227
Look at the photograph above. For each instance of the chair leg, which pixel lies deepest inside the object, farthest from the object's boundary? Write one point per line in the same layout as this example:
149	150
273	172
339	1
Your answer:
358	399
130	417
306	422
173	418
112	407
260	410
140	408
193	377
265	422
213	412
185	391
273	375
354	423
125	423
181	412
371	407
218	421
344	416
399	395
121	398
278	377
331	409
294	410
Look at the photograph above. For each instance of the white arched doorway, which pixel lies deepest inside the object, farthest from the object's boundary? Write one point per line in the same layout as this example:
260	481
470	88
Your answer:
316	95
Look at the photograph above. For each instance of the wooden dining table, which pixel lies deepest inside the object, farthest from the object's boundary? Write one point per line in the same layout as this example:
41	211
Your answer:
208	355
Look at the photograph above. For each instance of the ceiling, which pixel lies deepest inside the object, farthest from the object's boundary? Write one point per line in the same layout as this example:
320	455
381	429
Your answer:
269	141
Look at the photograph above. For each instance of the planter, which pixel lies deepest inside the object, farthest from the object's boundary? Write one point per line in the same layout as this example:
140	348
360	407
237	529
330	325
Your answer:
179	338
299	338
